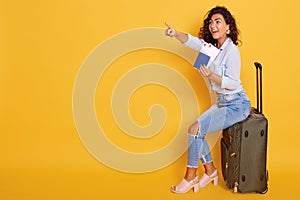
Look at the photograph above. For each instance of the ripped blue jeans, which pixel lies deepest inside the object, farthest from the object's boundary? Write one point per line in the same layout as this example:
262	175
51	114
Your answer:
230	109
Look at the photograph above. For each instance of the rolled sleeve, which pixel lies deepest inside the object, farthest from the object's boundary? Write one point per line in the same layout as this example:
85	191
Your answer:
194	42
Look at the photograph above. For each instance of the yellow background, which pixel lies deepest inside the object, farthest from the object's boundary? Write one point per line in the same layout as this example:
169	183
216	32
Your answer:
43	44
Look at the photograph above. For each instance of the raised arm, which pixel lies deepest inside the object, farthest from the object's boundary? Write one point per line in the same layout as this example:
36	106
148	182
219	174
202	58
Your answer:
182	37
185	38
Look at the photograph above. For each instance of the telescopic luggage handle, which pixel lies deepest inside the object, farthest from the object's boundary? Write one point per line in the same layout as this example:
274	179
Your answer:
258	87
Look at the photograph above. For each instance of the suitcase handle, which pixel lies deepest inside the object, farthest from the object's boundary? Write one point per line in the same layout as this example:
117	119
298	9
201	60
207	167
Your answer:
258	87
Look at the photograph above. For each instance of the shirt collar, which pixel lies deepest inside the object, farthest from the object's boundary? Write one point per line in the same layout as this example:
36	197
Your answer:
227	41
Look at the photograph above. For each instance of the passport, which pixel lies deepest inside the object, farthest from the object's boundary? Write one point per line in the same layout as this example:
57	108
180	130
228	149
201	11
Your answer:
202	59
206	55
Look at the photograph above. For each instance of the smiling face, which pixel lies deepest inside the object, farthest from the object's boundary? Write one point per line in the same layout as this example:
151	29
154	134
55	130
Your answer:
218	28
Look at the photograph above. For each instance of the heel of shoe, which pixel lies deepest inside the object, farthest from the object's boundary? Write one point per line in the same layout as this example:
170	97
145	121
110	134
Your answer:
216	180
196	187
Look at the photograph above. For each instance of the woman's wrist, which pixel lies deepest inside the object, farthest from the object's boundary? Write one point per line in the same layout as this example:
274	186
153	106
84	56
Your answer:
182	37
176	33
215	78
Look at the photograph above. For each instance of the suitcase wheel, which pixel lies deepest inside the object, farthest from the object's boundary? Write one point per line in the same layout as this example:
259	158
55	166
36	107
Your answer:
267	178
265	191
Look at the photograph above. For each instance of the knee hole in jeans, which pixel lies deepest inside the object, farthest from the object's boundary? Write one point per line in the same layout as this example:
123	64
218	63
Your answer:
194	128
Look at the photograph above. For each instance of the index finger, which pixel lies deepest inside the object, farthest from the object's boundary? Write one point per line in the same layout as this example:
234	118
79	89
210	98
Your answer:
168	25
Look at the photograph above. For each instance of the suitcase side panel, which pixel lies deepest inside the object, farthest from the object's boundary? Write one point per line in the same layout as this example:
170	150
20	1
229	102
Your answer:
253	172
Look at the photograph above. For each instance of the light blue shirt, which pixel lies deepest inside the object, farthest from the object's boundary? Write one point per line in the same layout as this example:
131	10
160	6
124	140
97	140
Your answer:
227	64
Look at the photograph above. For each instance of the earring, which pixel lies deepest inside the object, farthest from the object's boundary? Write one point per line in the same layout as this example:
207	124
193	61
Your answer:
228	32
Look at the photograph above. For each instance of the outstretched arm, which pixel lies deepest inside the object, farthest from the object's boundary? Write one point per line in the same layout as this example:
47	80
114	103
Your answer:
185	38
182	37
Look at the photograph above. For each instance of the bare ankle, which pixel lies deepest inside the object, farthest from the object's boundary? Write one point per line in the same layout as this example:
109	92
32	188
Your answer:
190	174
209	168
210	171
189	177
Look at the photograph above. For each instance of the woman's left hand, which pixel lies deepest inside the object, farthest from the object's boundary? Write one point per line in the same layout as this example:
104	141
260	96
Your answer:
204	71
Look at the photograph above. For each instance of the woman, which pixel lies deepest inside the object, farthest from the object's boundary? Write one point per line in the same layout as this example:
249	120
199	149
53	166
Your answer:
223	74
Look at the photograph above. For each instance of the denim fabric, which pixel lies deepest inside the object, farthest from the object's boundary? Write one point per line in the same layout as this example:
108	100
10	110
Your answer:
230	109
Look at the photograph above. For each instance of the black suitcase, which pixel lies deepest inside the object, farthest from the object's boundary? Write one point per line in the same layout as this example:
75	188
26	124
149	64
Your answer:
244	149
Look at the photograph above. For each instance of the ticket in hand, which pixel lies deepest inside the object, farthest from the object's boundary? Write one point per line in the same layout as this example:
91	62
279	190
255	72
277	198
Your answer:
207	55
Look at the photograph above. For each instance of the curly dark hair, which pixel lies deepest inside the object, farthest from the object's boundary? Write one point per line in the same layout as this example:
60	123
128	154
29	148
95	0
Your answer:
204	32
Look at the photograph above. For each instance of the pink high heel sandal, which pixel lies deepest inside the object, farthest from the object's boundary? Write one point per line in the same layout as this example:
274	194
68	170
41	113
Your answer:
205	179
184	186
